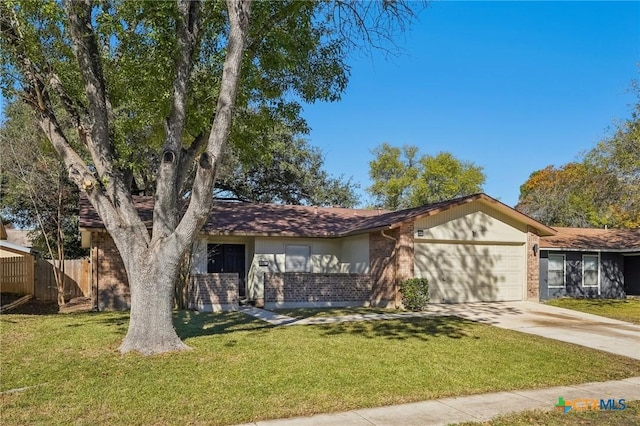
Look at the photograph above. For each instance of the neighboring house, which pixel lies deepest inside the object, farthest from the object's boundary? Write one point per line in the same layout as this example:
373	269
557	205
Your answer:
472	248
586	262
16	265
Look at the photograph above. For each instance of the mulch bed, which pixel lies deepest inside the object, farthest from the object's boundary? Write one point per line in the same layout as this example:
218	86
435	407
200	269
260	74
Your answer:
42	307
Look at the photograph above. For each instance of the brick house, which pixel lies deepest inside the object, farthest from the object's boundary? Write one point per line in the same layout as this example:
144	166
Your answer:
473	248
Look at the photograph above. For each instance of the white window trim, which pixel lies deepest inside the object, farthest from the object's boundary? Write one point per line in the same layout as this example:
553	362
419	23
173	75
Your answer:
597	257
564	272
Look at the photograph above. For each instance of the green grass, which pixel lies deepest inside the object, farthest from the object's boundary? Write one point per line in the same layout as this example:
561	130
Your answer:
241	369
628	416
624	310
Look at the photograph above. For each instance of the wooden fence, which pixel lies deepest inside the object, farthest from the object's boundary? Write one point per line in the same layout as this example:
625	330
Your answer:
24	275
17	274
77	279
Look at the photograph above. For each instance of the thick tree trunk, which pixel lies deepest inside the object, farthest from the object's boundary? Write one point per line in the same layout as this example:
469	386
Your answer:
152	281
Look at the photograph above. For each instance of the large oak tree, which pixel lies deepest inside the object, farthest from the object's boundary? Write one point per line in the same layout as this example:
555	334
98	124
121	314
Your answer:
165	77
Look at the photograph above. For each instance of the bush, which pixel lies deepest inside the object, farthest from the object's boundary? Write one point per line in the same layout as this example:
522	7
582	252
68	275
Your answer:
415	293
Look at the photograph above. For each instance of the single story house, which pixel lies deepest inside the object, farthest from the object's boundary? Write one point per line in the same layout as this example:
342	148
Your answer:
587	262
472	248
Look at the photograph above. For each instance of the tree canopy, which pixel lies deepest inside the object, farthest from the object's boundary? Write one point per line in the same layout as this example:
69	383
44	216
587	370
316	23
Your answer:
35	191
112	81
403	178
601	189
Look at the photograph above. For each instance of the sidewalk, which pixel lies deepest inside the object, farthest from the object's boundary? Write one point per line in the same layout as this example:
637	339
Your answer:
468	408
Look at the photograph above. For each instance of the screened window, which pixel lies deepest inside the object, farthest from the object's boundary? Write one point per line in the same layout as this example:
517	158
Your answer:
556	270
297	258
589	270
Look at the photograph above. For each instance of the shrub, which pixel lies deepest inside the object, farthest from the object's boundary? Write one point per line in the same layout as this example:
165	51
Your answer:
415	293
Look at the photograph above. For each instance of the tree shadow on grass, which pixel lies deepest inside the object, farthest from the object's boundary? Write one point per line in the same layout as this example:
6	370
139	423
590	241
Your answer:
195	324
421	328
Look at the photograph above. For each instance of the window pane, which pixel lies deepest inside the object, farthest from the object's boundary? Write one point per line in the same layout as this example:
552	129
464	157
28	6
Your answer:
556	270
556	278
590	270
297	258
556	263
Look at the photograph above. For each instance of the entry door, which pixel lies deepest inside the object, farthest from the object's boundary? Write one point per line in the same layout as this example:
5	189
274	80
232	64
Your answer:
227	258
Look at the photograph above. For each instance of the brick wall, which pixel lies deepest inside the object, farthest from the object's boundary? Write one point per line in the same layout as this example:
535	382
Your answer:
405	252
533	267
389	264
382	266
305	289
108	274
213	292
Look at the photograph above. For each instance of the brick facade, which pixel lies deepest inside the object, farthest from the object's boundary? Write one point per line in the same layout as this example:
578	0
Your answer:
109	279
391	260
382	266
299	289
213	292
533	267
405	252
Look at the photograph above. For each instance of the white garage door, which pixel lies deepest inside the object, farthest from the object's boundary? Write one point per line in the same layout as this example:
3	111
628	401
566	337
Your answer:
471	272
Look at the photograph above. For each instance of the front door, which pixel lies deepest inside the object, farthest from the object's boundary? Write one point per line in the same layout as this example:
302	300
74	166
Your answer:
227	258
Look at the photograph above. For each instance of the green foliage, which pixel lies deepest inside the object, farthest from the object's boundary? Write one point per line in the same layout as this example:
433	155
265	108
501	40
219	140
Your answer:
401	178
601	189
291	172
415	293
35	191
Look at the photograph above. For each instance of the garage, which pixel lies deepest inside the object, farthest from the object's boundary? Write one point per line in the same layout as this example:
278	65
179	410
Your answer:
472	253
463	272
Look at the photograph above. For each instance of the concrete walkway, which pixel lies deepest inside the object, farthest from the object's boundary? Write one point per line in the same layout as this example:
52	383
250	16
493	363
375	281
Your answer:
267	316
469	408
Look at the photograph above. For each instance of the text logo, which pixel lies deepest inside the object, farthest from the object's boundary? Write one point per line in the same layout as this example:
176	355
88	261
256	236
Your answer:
590	404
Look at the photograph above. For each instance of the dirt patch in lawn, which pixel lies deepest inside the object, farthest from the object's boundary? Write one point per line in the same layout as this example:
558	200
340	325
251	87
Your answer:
43	307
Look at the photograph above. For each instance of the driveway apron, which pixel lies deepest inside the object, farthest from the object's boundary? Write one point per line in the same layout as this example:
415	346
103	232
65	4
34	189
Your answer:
609	335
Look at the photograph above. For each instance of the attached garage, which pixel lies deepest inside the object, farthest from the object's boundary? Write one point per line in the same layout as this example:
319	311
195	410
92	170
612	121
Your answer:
472	253
462	272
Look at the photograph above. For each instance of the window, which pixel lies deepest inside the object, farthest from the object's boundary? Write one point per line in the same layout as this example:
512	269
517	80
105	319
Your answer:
590	270
556	270
296	258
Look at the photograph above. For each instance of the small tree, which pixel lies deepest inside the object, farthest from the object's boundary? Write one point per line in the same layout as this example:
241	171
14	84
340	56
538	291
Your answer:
415	293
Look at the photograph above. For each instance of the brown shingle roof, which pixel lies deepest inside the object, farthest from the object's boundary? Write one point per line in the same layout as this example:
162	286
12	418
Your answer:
228	218
286	221
231	218
593	239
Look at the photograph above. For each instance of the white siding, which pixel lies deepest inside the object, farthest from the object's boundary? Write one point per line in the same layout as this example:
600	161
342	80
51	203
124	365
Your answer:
471	253
271	252
470	222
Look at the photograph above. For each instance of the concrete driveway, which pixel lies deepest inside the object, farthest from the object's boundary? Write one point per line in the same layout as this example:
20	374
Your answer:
617	337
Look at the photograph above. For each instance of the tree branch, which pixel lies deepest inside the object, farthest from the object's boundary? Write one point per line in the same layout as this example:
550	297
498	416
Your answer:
168	182
201	197
88	55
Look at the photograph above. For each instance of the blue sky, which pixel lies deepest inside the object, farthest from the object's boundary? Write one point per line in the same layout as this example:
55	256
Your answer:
510	86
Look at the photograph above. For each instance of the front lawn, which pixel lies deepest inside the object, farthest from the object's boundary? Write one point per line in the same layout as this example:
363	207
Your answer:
67	369
628	416
623	310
